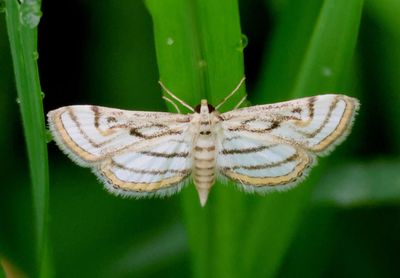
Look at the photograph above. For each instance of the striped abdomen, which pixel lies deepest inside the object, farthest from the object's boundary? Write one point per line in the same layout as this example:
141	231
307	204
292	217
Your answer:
204	163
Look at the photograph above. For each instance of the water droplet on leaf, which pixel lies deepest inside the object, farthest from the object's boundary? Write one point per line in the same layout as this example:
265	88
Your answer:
202	63
35	55
30	13
327	71
170	41
243	42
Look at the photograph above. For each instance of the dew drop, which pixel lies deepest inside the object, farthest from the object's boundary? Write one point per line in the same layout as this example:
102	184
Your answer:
42	94
327	71
202	63
170	41
35	55
244	41
30	13
18	101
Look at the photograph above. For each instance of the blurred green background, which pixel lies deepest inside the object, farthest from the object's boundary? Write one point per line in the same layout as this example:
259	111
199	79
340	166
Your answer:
103	53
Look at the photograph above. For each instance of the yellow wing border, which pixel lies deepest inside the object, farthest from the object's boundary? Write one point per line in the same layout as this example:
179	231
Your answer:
138	190
64	140
264	185
342	130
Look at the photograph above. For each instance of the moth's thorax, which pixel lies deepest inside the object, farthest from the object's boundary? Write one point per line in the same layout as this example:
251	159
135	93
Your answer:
205	116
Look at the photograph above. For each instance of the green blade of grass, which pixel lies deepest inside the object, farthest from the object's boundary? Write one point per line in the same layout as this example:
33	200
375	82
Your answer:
200	51
384	29
22	23
323	67
289	43
330	51
200	55
360	184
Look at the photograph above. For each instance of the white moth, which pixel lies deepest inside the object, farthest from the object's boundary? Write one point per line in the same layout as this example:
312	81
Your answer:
261	148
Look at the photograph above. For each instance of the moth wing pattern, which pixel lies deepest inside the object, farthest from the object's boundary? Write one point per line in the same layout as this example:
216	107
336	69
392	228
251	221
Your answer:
135	154
272	147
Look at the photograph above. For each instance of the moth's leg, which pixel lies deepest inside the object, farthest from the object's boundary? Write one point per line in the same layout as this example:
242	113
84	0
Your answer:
175	97
173	103
231	93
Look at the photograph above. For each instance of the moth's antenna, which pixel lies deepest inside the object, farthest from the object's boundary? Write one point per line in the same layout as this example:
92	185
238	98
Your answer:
173	103
231	94
175	97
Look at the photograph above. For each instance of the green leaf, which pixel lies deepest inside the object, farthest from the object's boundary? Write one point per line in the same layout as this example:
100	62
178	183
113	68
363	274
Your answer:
356	184
383	85
323	60
288	46
22	32
200	55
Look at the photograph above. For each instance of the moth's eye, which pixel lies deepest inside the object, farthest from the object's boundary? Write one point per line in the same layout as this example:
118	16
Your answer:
197	108
210	108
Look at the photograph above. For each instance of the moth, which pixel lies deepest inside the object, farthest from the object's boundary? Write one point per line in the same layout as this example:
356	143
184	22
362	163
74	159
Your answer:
261	148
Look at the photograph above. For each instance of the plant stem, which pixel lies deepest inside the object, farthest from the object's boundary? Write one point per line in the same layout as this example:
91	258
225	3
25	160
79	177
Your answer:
200	55
22	20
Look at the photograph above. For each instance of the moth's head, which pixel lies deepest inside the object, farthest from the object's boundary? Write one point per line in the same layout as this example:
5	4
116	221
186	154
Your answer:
204	107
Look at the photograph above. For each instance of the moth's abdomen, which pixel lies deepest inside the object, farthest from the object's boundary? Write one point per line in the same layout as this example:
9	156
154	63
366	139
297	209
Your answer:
204	164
